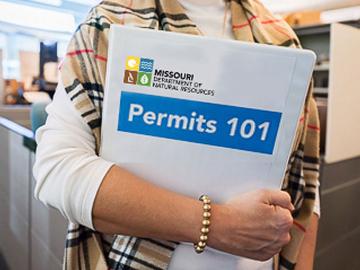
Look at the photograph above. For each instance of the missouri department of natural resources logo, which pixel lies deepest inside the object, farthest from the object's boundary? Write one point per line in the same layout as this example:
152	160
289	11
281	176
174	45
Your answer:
138	70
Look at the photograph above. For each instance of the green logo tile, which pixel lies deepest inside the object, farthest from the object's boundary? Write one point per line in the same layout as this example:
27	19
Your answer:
144	79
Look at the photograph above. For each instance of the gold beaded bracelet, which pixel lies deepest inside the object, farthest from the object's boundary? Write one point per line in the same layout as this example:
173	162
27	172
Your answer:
200	246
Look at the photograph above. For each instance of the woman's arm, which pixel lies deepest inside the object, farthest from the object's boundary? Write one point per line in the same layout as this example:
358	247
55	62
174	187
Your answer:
87	189
250	225
128	205
67	170
307	252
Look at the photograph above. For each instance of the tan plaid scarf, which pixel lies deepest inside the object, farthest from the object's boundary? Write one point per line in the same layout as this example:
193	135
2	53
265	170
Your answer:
83	75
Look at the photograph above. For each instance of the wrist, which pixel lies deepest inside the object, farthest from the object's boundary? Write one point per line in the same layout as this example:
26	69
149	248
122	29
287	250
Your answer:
220	219
193	227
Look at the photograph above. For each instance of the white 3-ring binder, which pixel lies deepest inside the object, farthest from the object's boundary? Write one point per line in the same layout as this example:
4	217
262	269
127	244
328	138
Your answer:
199	115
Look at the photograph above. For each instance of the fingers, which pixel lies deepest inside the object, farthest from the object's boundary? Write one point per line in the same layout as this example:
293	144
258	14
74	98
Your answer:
262	255
277	244
283	219
273	249
282	241
279	198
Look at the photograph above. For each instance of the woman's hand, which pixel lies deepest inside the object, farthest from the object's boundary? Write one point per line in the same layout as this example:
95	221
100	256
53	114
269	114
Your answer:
255	225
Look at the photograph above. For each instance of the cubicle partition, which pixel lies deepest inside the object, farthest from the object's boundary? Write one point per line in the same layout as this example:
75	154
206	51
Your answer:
31	235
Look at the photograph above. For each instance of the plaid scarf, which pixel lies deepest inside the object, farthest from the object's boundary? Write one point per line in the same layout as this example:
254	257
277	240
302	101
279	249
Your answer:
83	74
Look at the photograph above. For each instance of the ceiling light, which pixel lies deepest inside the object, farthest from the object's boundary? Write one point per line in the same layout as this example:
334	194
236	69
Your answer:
56	3
86	2
38	18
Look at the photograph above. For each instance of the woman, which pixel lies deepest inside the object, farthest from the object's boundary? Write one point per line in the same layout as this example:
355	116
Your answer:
103	197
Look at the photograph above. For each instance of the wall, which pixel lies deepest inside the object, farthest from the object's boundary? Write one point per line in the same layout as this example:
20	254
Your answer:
343	114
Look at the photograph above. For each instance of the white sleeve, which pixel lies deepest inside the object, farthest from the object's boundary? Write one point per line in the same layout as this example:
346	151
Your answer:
67	170
317	201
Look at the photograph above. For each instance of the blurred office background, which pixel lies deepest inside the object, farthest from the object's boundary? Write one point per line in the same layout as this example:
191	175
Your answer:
33	40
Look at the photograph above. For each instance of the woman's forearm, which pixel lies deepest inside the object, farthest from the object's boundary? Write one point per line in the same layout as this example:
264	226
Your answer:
125	204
